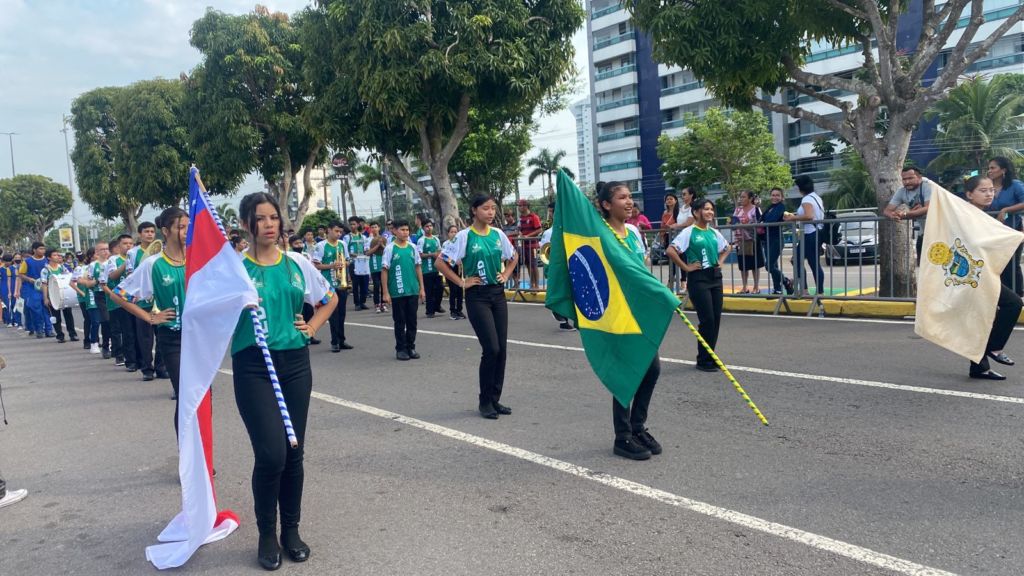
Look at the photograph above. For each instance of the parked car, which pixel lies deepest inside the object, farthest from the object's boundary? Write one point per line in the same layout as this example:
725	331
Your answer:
857	240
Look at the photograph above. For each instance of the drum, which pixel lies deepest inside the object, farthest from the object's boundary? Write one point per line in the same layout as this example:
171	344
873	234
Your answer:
62	295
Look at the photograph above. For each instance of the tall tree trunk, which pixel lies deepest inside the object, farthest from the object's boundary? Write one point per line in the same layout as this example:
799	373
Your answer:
307	185
351	198
896	249
284	190
447	206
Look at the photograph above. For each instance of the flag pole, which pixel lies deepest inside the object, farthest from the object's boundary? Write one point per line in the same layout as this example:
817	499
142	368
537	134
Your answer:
261	338
718	361
721	365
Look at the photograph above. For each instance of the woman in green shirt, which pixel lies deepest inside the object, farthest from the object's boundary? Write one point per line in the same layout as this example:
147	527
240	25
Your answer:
488	259
284	280
699	250
632	439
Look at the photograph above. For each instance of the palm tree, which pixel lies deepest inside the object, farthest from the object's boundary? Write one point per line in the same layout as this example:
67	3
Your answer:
852	186
228	215
976	122
546	164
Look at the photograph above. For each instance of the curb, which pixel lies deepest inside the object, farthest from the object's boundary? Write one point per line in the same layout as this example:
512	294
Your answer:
841	308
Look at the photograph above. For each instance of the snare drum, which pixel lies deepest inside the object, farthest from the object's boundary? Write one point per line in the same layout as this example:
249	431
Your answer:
62	295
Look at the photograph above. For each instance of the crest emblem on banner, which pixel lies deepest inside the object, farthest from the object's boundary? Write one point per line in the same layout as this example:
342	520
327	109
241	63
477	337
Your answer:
960	268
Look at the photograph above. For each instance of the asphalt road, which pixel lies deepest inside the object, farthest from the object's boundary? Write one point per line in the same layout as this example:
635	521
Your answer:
882	457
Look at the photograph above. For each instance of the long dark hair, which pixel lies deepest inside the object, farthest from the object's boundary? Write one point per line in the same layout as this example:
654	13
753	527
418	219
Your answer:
89	255
478	201
698	206
604	194
1010	173
675	209
973	182
247	213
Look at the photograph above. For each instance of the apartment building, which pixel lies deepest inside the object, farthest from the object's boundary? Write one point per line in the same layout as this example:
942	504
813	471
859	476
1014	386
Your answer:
635	99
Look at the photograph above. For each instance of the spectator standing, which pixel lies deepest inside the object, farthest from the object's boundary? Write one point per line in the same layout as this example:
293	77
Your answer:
1009	202
773	241
748	249
911	203
529	227
429	248
638	220
808	246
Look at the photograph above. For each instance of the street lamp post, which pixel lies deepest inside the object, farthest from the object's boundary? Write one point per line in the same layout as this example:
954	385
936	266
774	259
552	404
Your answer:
71	184
10	140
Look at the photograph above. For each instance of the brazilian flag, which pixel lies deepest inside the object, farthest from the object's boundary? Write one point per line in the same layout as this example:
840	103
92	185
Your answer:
621	310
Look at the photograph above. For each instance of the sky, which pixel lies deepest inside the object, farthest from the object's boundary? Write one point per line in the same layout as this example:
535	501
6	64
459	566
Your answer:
53	50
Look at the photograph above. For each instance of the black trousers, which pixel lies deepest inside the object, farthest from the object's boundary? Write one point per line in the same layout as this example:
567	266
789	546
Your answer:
434	291
403	312
488	314
69	320
378	289
632	419
144	335
1002	327
705	289
337	319
1012	276
86	324
455	295
277	475
122	324
105	335
168	345
360	289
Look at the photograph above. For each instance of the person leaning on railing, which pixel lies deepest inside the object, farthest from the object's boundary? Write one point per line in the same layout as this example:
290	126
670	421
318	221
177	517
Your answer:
809	244
911	203
773	236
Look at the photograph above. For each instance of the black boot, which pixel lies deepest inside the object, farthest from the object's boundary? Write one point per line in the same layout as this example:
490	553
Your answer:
296	549
269	553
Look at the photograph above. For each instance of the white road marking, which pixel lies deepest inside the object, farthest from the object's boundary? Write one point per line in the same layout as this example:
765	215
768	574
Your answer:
753	370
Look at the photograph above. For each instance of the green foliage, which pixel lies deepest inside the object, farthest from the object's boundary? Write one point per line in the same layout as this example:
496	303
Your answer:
410	72
546	165
228	214
131	149
852	185
31	204
823	147
735	149
978	120
247	101
315	220
490	158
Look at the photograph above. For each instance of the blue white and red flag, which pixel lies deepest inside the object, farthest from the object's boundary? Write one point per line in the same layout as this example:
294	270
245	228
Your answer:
217	290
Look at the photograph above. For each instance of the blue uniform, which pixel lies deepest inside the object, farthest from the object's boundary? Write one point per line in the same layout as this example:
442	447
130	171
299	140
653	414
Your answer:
7	278
37	319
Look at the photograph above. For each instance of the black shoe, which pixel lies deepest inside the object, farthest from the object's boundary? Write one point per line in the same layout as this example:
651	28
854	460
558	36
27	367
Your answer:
335	348
40	336
567	327
74	338
85	345
430	314
631	448
60	340
106	354
990	375
361	307
148	377
269	553
788	285
296	549
402	355
131	368
488	411
440	310
345	346
118	361
1001	358
707	367
502	409
164	375
313	341
50	335
174	395
648	441
414	354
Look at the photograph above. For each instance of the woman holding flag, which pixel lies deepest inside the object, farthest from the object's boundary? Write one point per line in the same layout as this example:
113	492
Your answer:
632	439
490	258
980	192
284	281
699	250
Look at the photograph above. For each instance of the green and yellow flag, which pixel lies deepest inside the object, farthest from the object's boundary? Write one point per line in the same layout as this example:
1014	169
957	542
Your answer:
621	310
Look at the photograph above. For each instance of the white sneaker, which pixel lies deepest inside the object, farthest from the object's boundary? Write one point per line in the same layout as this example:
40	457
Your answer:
94	349
13	496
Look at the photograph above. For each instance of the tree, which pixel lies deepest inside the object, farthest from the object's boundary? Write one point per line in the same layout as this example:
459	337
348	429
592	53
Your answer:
490	159
823	147
852	186
546	165
746	50
977	121
419	68
247	101
131	149
318	219
734	149
32	203
228	214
